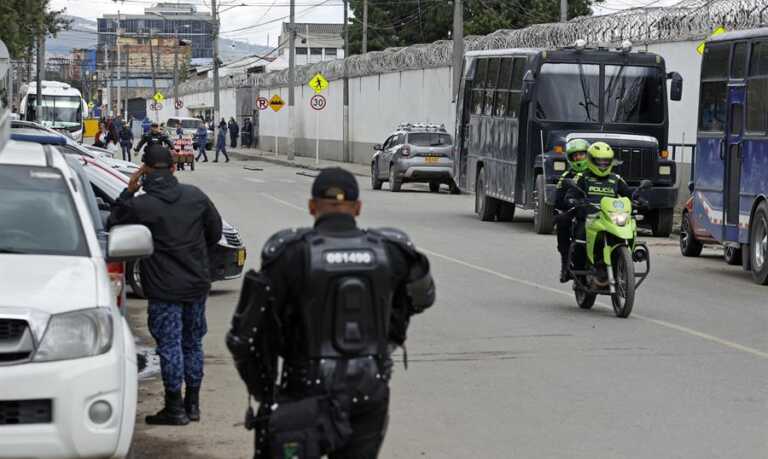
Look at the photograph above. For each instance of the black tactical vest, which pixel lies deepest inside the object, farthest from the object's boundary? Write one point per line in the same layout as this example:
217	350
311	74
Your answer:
345	309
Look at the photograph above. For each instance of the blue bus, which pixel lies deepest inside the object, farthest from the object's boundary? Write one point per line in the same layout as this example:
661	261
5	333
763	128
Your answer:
730	186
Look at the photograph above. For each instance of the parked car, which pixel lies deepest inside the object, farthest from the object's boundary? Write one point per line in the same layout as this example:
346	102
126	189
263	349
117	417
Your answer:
693	237
414	153
69	379
189	126
227	259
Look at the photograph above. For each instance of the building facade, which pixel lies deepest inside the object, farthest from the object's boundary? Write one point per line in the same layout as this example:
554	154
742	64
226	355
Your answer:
315	42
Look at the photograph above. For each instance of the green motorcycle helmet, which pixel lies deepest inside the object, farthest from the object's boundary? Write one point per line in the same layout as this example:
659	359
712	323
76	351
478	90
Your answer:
600	159
573	147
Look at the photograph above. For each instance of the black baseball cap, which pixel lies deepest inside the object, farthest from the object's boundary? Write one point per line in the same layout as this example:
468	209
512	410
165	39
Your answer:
157	156
155	125
335	183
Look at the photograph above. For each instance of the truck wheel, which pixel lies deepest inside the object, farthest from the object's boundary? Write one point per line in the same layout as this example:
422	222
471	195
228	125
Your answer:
689	245
506	212
454	189
661	224
758	244
732	256
434	187
375	181
485	206
394	183
133	276
542	214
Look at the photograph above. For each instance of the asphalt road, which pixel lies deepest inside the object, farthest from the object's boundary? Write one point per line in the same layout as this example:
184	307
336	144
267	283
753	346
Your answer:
505	365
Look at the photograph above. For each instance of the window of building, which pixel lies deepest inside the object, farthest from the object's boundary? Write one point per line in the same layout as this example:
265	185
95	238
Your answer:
316	51
301	51
331	52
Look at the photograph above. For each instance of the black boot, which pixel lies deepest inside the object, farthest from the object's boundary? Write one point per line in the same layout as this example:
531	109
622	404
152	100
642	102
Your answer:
173	414
192	403
565	273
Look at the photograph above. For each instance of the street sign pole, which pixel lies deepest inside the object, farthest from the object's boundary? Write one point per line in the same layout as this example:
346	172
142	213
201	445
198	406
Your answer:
317	136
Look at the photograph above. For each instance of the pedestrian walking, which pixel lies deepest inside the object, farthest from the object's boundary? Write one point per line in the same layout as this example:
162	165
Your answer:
332	301
201	140
176	278
126	141
234	131
100	139
221	141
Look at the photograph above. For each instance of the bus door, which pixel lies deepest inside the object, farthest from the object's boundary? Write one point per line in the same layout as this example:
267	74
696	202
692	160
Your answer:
731	153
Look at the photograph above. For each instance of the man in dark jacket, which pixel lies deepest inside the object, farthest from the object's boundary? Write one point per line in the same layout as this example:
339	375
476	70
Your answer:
176	278
234	131
126	141
155	136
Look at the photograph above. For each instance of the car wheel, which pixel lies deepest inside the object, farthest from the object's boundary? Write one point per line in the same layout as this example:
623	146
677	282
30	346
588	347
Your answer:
732	255
689	245
394	183
375	181
434	187
485	206
543	213
758	244
133	276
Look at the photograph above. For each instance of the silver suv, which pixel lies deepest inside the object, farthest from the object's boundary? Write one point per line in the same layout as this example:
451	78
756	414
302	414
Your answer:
417	152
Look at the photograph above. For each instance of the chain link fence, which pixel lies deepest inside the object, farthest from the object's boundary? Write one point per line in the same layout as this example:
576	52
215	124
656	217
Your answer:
688	19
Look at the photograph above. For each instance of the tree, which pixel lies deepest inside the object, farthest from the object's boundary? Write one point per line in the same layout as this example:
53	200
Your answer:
407	22
22	21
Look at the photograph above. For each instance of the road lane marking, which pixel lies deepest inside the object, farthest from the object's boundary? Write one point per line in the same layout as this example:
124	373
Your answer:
254	180
283	180
661	323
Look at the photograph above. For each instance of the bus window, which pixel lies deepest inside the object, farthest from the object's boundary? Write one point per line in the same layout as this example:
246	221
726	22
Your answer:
568	92
633	94
491	82
757	104
478	86
714	66
739	61
505	77
714	76
759	64
513	102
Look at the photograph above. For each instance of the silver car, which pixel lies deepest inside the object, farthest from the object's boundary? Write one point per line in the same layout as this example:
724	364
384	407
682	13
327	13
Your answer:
414	153
189	126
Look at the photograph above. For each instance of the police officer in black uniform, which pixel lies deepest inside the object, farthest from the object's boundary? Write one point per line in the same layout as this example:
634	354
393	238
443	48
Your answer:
333	301
155	136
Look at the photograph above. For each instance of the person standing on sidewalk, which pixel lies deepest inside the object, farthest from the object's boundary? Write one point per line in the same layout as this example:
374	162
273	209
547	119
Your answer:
126	141
234	131
176	278
247	133
201	140
221	141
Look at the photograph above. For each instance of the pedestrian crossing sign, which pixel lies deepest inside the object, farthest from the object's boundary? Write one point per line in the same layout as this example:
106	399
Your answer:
159	97
318	83
718	31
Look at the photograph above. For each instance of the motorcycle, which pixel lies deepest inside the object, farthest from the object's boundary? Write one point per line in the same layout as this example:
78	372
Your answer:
608	253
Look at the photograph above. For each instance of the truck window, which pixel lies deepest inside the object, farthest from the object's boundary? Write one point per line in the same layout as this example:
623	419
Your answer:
568	92
714	76
633	94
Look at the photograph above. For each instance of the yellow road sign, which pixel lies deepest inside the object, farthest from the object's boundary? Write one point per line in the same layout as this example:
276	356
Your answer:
159	97
318	83
276	103
720	30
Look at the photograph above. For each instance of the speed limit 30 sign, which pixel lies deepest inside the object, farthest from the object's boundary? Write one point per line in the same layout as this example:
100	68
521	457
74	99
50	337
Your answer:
317	102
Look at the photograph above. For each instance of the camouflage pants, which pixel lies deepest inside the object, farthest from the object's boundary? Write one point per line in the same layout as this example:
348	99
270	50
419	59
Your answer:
178	329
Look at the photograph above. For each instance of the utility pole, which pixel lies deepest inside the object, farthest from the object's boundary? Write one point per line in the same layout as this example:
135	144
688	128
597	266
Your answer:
117	43
127	59
458	45
292	81
152	65
215	13
563	10
345	114
175	69
39	75
365	26
108	76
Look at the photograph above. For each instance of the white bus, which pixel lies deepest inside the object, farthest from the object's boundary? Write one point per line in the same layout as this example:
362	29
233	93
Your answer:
62	107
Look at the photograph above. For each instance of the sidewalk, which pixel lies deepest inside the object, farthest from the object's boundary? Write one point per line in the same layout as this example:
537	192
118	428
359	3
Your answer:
253	154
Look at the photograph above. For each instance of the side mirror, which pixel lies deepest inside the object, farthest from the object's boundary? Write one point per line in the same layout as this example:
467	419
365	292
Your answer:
129	242
529	83
377	147
645	185
690	187
676	88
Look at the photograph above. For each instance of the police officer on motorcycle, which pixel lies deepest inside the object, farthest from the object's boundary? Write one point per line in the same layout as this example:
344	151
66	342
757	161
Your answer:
595	183
333	301
576	156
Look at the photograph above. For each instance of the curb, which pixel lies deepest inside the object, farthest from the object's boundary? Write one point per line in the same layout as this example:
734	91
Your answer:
285	162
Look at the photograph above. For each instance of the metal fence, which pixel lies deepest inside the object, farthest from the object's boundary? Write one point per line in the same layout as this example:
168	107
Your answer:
688	19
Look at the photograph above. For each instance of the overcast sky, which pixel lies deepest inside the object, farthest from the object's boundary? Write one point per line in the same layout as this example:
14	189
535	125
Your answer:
263	17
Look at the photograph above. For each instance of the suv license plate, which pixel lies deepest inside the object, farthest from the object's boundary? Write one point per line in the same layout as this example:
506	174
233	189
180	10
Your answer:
240	257
432	159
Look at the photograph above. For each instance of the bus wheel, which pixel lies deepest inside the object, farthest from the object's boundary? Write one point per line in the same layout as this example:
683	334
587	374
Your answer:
662	221
485	206
543	213
758	244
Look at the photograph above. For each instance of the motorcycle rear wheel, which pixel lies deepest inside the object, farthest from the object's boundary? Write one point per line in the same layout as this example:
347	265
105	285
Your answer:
624	275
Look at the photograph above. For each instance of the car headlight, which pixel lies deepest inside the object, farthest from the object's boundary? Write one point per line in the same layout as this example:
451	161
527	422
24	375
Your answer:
620	219
76	334
558	166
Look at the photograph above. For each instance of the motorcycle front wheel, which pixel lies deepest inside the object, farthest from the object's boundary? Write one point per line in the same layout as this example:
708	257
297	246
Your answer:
624	275
585	300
